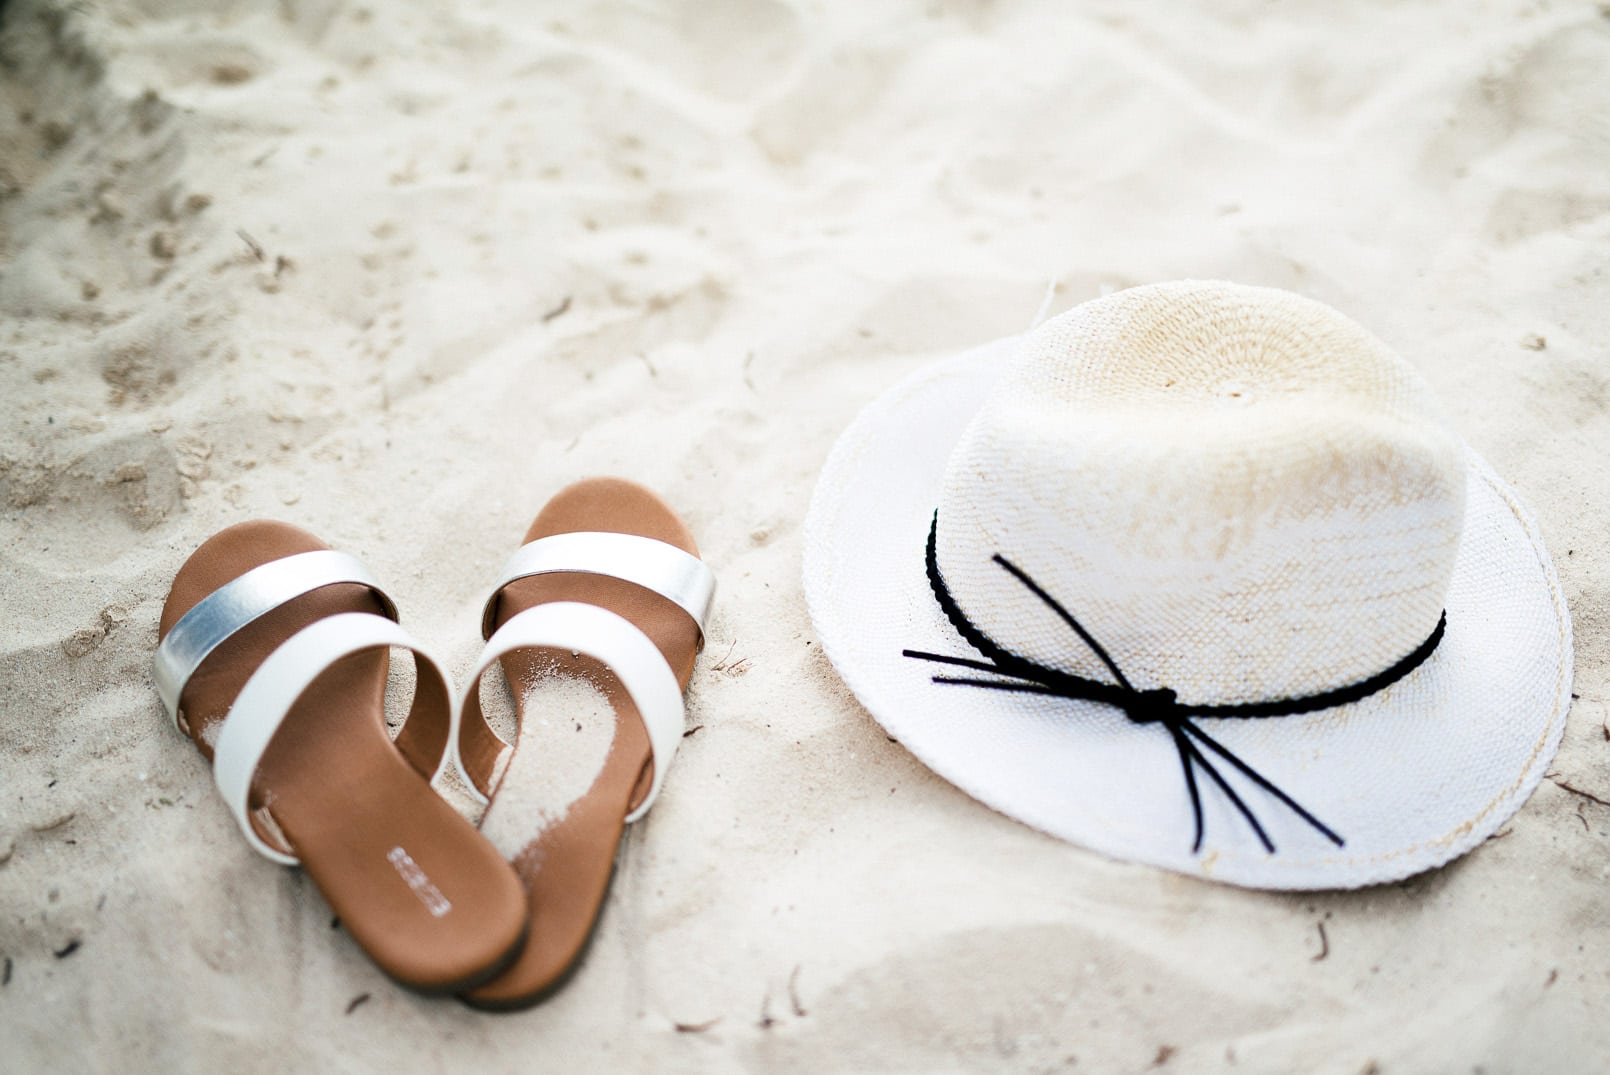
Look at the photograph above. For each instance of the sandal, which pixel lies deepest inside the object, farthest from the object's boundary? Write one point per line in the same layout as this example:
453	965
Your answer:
273	659
603	609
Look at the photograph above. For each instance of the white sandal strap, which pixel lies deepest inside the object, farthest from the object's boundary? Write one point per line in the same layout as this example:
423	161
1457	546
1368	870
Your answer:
282	678
240	601
615	641
678	576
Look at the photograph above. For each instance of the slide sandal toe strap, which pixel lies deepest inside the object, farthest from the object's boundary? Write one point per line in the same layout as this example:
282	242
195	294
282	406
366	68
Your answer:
578	628
272	691
240	601
678	576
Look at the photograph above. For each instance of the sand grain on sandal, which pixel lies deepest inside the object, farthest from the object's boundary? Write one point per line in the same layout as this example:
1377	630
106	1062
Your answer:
563	741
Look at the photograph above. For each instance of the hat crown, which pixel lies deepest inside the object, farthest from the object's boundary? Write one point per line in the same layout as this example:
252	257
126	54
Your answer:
1239	492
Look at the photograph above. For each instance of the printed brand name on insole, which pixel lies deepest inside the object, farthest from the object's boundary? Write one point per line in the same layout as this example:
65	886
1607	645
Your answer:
415	879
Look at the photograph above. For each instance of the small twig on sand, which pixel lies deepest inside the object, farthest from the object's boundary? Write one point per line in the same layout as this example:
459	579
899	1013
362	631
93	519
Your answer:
357	1002
766	1020
696	1028
692	731
564	304
1557	782
1324	943
252	244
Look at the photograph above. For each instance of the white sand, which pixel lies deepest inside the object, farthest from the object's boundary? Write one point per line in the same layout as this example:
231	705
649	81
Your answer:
397	272
560	748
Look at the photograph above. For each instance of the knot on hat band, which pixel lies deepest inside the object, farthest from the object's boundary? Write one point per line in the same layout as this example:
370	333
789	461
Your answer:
1157	705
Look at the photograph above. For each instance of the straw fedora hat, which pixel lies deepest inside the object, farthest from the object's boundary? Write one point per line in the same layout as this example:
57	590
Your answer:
1196	575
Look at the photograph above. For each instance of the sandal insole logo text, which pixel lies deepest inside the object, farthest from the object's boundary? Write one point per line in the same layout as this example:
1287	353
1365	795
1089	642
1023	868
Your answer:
415	878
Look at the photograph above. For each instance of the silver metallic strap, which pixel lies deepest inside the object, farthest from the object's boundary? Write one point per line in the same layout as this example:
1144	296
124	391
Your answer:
678	576
240	601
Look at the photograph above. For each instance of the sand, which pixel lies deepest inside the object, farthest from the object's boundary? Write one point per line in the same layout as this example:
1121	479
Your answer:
560	748
397	272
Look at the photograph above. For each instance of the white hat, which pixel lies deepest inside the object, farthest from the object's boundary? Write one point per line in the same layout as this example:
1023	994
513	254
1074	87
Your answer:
1196	575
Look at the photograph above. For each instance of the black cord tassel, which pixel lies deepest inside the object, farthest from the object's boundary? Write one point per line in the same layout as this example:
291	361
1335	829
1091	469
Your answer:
1158	705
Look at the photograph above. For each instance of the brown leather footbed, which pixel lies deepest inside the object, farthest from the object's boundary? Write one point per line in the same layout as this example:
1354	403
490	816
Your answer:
567	869
341	792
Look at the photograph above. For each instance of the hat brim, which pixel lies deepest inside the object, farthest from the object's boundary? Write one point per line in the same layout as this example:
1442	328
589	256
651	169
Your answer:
1410	777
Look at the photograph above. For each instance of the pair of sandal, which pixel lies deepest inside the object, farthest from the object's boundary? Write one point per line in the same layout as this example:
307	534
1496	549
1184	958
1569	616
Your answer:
274	660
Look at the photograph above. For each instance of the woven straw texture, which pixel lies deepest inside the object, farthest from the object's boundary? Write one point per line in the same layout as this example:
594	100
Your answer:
1411	777
1238	491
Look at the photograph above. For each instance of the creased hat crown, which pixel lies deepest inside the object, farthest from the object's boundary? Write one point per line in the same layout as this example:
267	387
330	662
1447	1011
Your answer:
1240	492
